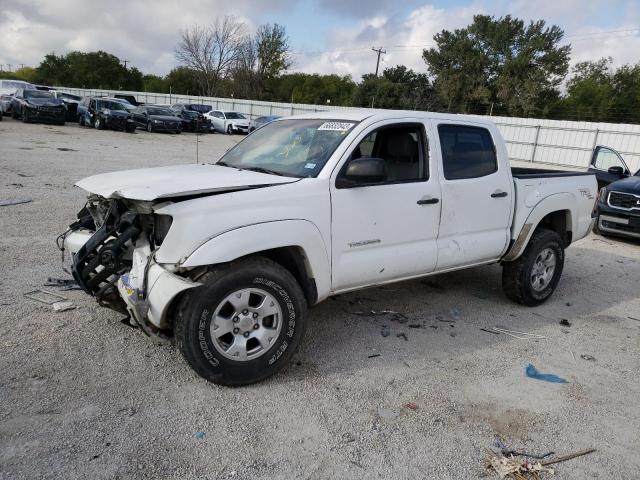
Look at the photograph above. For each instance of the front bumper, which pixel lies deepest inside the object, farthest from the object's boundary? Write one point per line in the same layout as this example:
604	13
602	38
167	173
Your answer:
167	126
147	288
618	222
119	123
47	114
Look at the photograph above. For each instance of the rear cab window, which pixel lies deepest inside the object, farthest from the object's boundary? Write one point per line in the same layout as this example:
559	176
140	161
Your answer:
467	152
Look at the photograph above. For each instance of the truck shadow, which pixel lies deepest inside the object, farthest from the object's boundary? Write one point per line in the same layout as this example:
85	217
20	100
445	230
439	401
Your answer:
439	317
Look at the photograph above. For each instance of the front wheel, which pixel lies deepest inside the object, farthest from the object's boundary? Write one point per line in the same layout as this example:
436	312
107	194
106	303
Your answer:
534	276
229	130
149	127
98	124
243	324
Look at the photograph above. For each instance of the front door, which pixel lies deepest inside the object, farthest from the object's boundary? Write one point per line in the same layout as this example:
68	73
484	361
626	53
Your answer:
477	197
387	230
603	159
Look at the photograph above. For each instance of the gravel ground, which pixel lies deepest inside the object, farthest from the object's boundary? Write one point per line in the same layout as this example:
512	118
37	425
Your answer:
84	396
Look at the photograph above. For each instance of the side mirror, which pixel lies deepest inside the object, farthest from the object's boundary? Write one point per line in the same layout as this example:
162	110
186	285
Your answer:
616	170
363	171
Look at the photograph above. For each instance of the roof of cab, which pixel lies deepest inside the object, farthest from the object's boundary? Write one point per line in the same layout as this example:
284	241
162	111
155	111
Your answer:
360	114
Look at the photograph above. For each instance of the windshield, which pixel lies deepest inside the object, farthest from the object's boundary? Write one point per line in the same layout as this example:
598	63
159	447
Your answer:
68	96
191	114
37	94
110	105
234	115
160	111
294	148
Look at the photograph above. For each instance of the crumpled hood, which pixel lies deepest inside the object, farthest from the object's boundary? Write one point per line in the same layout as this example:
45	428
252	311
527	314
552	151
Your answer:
627	185
240	121
164	118
176	181
117	114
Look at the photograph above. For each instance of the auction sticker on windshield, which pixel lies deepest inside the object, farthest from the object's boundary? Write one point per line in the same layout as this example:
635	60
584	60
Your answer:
336	126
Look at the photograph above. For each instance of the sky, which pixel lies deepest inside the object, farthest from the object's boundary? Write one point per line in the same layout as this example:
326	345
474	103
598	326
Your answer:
326	36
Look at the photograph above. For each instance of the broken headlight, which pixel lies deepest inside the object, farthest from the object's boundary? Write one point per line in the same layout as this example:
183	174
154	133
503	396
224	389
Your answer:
161	226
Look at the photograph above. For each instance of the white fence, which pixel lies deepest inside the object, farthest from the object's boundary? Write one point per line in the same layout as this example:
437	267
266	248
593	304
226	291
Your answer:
528	139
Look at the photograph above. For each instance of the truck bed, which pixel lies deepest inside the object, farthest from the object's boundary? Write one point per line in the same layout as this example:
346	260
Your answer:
523	172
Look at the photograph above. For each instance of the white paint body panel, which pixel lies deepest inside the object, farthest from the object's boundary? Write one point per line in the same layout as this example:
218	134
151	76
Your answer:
349	238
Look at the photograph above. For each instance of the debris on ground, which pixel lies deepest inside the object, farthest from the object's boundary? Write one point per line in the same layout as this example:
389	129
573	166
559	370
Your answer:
589	358
416	325
403	335
375	313
455	313
565	323
411	406
385	331
568	304
64	149
532	372
519	335
200	435
373	355
64	283
490	331
63	306
44	296
515	468
14	201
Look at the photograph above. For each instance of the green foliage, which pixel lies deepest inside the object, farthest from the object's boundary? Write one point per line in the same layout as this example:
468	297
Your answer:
88	70
154	83
398	88
184	81
312	88
498	61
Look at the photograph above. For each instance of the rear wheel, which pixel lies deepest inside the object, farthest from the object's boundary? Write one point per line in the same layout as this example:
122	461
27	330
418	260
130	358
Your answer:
534	276
243	324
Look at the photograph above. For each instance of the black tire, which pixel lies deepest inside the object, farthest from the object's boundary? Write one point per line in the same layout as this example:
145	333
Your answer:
517	275
14	114
178	132
97	123
81	120
25	117
596	227
229	130
149	127
194	316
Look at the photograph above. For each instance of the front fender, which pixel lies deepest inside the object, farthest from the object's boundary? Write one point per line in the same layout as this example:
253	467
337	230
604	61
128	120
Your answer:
255	238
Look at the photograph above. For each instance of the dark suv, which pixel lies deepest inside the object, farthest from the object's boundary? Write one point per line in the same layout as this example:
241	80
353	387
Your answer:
619	196
102	113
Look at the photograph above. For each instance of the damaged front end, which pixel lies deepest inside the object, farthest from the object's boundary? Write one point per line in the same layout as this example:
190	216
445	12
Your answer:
112	246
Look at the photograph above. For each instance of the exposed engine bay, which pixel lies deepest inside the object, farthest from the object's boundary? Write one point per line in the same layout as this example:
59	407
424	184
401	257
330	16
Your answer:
123	234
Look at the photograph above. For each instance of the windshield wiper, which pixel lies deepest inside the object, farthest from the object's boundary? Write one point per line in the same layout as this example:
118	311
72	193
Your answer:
265	170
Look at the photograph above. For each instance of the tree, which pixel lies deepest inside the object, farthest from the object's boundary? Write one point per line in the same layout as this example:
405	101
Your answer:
589	92
212	51
262	58
500	61
88	70
154	83
400	88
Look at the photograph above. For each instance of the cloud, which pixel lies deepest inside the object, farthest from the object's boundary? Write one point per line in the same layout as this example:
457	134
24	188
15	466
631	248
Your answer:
145	33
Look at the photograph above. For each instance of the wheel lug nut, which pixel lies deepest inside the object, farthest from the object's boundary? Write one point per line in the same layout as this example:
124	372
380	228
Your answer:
244	312
236	319
256	326
255	315
236	330
246	334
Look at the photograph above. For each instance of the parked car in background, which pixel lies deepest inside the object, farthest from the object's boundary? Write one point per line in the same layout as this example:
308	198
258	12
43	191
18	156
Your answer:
127	105
193	121
261	122
10	86
618	206
38	106
5	102
228	122
229	255
70	101
102	113
129	98
608	166
196	107
157	118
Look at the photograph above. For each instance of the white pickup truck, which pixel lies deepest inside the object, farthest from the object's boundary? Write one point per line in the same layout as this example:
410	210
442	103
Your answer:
226	257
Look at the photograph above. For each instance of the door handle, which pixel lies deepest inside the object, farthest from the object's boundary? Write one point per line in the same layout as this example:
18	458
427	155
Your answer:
499	194
428	201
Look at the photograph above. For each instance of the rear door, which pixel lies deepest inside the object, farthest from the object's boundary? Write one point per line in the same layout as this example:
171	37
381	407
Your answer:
477	196
388	230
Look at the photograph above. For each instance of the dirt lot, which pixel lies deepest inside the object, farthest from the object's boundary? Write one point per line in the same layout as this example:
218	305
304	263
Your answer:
84	396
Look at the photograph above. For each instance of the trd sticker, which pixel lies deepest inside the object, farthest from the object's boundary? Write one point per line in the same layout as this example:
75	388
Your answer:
336	126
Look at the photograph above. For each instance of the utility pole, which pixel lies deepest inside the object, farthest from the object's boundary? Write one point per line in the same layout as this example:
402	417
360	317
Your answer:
379	51
125	63
9	66
22	65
